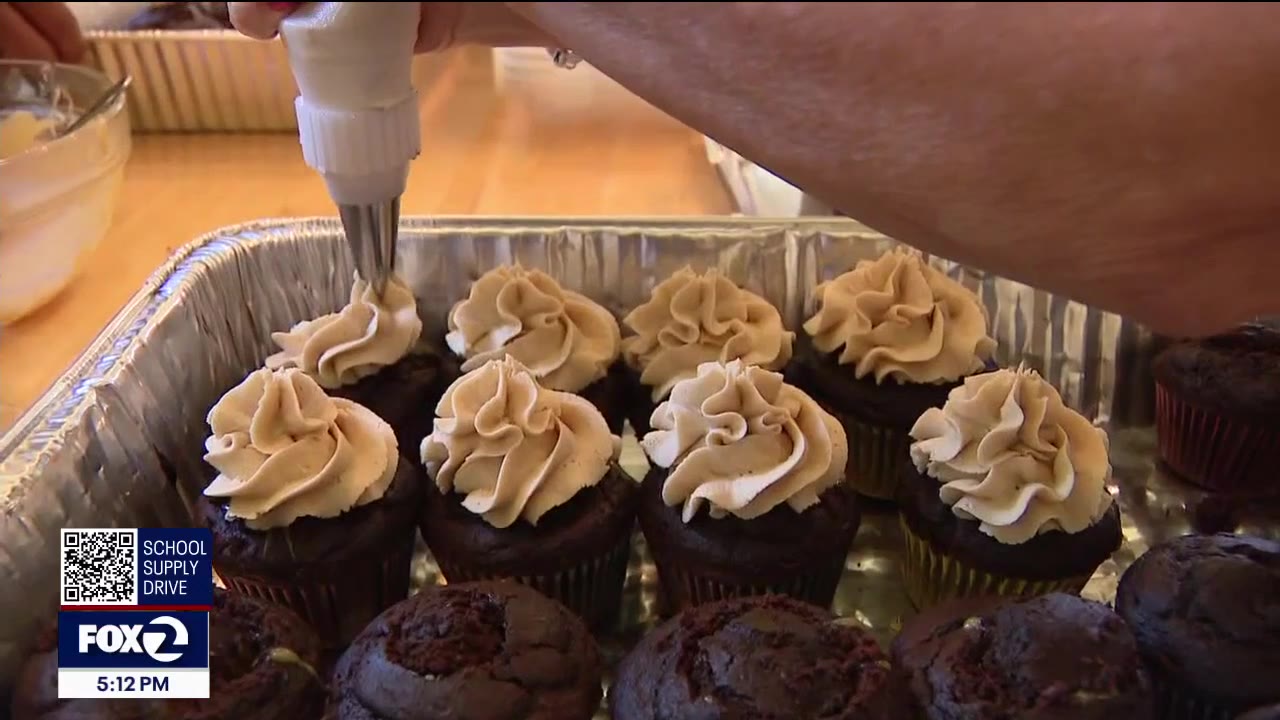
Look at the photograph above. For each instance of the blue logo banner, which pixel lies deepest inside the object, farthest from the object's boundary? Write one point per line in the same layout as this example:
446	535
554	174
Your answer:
133	639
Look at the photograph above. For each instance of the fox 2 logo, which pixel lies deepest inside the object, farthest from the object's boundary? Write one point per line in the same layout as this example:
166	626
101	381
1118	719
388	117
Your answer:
133	640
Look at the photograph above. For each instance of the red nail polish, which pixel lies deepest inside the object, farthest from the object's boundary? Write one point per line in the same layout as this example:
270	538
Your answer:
283	6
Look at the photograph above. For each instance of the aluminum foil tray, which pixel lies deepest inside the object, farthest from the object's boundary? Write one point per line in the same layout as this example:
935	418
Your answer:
98	448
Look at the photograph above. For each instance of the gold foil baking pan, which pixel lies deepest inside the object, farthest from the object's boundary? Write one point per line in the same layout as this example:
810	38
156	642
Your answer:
98	449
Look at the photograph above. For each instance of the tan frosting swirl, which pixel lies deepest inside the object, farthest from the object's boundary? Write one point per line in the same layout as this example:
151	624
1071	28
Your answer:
1012	456
697	318
566	340
898	317
738	439
514	448
357	341
284	449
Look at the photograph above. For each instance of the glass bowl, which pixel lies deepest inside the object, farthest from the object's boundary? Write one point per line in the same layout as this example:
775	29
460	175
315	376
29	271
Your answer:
56	196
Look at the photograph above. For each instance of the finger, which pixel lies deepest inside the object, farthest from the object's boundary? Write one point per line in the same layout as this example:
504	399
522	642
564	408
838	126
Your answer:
438	25
21	41
259	20
57	25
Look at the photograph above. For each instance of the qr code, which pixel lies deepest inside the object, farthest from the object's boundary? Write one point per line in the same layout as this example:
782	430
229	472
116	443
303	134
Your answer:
99	567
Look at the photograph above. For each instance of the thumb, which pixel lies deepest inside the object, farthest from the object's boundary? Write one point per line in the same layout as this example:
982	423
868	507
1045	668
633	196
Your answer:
260	20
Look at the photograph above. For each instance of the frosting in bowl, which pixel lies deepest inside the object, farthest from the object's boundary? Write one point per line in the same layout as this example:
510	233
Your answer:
898	317
565	339
514	448
1012	456
696	318
284	450
739	440
22	130
357	341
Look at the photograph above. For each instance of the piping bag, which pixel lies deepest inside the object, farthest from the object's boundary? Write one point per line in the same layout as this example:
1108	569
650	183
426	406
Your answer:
358	116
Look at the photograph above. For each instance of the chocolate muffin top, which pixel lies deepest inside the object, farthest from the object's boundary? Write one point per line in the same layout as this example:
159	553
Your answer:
263	661
1206	612
471	651
1053	656
1236	372
758	658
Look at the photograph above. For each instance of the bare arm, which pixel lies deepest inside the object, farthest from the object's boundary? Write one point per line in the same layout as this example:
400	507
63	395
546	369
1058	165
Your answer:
1126	155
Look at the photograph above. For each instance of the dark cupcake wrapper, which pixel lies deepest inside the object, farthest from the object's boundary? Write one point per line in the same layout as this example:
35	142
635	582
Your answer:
932	577
592	589
1174	701
338	600
876	454
683	587
1213	451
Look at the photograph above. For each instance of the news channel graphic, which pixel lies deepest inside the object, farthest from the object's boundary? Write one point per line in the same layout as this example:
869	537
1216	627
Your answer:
134	619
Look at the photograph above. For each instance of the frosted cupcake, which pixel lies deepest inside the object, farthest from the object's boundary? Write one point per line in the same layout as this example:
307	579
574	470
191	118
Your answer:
746	494
1006	493
527	487
312	506
569	342
370	352
889	340
690	319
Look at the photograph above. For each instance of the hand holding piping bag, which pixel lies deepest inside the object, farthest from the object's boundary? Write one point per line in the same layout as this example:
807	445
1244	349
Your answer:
443	25
358	110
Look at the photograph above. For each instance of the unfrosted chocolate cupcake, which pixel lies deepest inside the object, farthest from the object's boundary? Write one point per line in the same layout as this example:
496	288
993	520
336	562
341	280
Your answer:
1006	493
692	318
1218	410
746	494
371	352
527	486
758	657
889	339
312	507
263	666
569	342
1051	657
480	651
1206	612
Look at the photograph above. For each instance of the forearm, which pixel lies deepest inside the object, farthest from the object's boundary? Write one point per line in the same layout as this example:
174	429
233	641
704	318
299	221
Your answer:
1127	155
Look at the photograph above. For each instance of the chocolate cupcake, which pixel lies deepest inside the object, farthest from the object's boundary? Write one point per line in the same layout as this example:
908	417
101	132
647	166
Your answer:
527	487
746	493
1006	493
690	319
263	666
1206	612
371	352
889	340
1218	410
312	507
481	651
569	342
1045	658
758	657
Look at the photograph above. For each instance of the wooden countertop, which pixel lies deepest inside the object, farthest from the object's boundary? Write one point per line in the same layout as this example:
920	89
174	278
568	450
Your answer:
585	148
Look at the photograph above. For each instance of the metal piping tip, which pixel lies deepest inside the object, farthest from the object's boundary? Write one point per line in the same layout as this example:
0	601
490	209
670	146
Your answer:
371	234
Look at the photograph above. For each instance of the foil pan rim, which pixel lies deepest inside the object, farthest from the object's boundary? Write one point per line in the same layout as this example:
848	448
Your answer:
38	432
